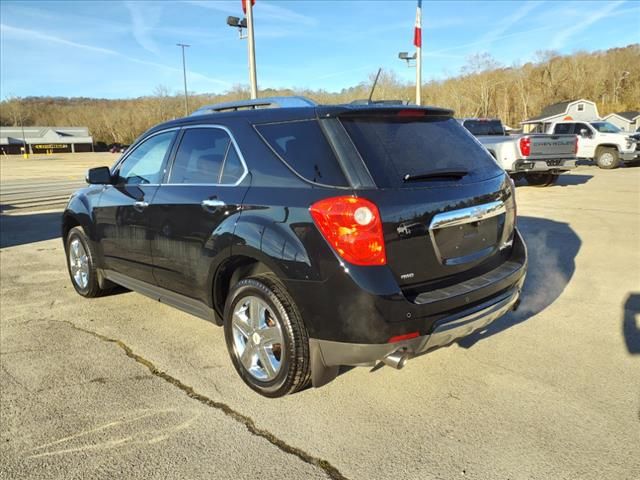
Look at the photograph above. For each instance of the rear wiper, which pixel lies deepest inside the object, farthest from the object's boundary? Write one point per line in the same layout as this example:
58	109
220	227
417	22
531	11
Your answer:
435	174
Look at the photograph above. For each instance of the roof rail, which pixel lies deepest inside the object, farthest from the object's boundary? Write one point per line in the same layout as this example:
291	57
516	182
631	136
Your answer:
268	102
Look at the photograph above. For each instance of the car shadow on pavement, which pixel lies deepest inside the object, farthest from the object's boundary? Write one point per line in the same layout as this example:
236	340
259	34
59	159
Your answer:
630	328
28	228
563	180
571	180
552	247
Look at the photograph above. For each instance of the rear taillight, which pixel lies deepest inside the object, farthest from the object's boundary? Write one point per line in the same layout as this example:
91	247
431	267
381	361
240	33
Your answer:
575	145
525	146
352	226
411	113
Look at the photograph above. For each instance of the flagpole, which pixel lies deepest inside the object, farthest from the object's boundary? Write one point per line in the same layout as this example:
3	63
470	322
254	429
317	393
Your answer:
418	75
417	41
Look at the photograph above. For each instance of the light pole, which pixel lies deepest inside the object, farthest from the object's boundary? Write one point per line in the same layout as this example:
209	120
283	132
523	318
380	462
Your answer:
247	23
184	74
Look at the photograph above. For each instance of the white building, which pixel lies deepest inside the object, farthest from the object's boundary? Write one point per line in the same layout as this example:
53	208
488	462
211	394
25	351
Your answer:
581	109
627	121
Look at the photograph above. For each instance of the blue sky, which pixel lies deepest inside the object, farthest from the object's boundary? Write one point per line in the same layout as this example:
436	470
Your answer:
121	49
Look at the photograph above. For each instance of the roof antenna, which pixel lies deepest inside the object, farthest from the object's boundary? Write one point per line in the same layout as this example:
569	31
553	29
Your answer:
373	87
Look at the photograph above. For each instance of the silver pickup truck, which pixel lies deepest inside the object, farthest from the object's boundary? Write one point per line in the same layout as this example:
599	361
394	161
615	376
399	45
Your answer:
537	158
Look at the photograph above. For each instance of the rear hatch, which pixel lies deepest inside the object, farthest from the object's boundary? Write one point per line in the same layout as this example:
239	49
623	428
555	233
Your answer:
447	208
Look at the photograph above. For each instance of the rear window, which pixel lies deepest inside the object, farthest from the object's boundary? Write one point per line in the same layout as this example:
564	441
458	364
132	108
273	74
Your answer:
304	148
484	127
562	128
396	146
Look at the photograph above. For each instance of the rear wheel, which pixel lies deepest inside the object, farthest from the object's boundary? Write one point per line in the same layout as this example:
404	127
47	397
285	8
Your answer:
608	158
540	179
80	263
266	337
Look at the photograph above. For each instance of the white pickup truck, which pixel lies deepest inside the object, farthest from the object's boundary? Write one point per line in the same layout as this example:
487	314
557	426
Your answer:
601	142
537	158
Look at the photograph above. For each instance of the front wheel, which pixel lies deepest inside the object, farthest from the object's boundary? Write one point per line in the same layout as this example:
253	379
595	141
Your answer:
266	337
608	158
80	263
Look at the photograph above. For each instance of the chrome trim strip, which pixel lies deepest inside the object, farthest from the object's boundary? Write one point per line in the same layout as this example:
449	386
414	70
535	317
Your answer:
235	145
467	215
460	217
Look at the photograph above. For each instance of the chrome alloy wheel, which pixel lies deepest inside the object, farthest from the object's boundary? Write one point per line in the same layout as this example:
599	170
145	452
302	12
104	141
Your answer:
606	159
79	263
257	338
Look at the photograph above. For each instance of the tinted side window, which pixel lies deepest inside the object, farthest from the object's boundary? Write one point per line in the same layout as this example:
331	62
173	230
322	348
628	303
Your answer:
581	126
232	170
144	164
304	148
200	156
563	128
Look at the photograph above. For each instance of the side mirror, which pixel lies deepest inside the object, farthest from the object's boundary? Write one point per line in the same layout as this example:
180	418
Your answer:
99	176
584	133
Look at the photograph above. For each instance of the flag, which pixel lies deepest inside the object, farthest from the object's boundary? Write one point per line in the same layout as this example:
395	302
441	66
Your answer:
417	33
244	5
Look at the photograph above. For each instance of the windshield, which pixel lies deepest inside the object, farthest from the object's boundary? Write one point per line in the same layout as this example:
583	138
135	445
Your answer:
397	146
605	127
484	127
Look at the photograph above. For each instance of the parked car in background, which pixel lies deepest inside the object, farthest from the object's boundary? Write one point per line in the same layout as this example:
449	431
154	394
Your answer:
537	158
118	148
317	235
602	142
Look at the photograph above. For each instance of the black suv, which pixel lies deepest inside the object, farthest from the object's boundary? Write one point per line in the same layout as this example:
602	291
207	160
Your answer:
318	235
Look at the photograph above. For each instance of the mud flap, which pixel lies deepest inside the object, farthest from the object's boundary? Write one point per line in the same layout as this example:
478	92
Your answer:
320	373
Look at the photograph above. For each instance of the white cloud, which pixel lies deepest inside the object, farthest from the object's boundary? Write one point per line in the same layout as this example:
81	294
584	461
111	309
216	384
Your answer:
504	24
144	17
262	9
560	40
23	34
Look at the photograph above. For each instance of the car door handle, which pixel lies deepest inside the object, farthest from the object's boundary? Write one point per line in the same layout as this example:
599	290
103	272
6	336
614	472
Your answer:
212	203
140	205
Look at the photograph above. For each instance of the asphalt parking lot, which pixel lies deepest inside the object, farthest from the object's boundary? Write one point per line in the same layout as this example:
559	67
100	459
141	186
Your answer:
125	387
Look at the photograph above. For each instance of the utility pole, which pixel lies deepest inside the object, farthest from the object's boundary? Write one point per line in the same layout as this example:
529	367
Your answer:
253	82
184	74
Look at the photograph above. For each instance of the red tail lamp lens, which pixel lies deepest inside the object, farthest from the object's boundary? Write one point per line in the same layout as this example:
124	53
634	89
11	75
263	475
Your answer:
352	226
575	145
525	146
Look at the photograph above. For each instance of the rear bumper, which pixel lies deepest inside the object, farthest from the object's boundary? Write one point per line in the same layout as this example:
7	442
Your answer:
539	166
630	156
327	356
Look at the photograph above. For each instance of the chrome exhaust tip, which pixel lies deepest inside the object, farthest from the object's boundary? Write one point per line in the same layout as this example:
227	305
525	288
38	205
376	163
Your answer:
397	359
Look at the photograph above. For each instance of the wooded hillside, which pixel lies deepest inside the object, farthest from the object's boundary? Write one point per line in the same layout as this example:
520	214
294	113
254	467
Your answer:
483	88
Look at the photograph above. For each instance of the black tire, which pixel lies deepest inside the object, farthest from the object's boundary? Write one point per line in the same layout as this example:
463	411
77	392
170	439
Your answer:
92	288
294	371
540	179
607	158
